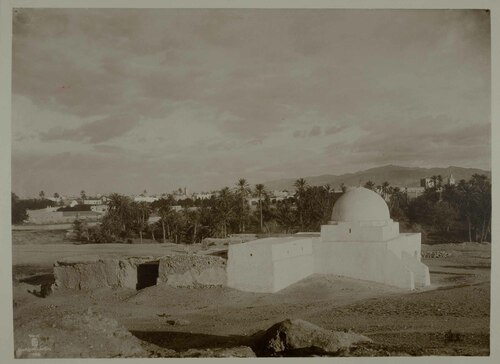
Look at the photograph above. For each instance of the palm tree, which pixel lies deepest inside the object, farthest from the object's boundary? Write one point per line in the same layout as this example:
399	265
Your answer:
343	187
434	180
140	213
439	180
370	185
83	196
385	189
482	205
42	195
119	210
243	190
467	199
285	216
164	210
224	209
328	188
193	217
260	190
300	189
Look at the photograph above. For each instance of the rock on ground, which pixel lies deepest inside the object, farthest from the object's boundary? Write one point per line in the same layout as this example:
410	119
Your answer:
302	338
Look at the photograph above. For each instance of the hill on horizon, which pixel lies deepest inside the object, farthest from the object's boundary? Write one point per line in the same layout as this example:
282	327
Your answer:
396	175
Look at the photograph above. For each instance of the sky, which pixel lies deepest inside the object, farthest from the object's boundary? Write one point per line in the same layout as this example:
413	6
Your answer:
126	100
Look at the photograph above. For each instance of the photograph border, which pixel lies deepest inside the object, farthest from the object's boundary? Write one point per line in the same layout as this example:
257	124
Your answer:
6	6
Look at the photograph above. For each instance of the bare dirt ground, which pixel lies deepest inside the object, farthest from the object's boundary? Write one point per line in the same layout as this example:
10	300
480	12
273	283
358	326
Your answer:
449	318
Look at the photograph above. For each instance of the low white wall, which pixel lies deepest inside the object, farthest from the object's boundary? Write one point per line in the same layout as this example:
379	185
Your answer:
59	217
291	270
292	261
420	270
269	265
371	261
249	266
409	243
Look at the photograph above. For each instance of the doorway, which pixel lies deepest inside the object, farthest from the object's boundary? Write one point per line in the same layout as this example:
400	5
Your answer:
147	274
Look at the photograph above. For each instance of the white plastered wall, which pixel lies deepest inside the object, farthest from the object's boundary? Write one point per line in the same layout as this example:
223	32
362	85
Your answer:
249	266
360	231
292	261
371	261
269	265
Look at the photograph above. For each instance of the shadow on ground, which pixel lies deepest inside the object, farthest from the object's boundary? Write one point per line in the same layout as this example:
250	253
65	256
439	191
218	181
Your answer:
39	279
182	341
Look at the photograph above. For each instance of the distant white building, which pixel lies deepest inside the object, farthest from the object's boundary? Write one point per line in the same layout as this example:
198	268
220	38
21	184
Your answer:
50	215
413	192
280	194
202	196
450	180
145	199
276	196
93	201
99	208
426	182
254	201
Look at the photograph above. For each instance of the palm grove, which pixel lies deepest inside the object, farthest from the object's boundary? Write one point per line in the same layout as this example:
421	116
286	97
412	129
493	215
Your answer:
459	212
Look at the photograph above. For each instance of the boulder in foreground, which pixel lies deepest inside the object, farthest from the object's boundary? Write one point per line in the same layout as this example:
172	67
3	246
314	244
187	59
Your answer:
302	338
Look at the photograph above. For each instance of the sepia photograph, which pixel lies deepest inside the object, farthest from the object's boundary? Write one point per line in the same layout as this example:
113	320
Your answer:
250	182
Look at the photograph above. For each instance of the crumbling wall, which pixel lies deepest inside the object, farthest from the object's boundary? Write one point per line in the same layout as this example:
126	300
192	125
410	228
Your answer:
192	270
93	272
175	270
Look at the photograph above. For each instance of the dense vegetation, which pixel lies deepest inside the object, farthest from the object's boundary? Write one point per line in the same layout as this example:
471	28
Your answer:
455	213
443	213
460	212
19	207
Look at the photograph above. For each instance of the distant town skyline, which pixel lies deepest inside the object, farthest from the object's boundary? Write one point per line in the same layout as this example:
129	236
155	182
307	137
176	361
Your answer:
130	99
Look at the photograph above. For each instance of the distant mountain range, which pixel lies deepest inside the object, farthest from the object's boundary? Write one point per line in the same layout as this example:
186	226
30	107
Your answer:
395	175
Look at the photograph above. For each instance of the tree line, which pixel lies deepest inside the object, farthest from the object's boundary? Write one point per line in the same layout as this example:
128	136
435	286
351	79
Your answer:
226	212
442	213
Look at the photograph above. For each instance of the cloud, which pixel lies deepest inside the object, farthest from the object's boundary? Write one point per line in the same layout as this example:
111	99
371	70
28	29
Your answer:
334	129
107	148
299	133
207	95
94	132
315	131
433	141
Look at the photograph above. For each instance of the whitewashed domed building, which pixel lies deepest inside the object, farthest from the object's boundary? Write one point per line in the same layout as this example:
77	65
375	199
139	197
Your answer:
361	241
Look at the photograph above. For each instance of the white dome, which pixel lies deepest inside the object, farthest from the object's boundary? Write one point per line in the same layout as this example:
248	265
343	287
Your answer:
360	204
